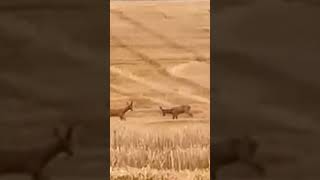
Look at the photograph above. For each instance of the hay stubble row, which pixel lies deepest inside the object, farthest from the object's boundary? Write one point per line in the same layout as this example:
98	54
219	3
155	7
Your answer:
187	149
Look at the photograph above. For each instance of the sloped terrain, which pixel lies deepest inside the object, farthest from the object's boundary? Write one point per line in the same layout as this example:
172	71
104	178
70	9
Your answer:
160	56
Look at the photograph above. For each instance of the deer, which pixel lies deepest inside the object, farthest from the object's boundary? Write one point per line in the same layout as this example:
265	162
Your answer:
233	150
121	112
33	161
175	111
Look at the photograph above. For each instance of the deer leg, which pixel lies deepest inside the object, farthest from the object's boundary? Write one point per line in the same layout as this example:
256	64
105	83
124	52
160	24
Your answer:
175	116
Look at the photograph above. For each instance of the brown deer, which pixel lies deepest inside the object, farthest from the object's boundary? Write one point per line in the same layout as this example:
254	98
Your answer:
121	112
175	111
234	150
32	162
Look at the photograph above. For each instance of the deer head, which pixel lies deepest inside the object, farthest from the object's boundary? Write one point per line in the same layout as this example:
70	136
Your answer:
163	113
130	106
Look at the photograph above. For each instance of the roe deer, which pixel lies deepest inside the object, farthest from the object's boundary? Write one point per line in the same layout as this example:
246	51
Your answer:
33	161
234	150
121	112
175	111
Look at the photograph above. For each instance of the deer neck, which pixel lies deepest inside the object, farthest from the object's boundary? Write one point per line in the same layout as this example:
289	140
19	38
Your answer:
126	109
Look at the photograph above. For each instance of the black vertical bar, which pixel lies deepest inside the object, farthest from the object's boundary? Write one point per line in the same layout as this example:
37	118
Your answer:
107	85
55	72
213	61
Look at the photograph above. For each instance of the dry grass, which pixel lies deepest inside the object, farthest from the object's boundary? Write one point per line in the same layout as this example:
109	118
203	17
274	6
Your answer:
155	152
154	174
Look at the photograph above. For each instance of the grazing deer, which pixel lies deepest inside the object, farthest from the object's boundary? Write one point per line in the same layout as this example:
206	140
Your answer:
235	150
175	111
33	161
121	112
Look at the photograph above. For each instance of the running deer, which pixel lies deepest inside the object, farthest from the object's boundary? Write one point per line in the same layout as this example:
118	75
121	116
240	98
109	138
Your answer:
32	162
175	111
121	112
235	150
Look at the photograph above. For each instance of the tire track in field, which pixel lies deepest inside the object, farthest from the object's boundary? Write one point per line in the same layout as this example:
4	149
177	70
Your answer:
157	86
160	36
159	67
159	46
30	31
115	61
124	92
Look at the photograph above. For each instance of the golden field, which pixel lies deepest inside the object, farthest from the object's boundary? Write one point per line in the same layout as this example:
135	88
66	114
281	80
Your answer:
160	56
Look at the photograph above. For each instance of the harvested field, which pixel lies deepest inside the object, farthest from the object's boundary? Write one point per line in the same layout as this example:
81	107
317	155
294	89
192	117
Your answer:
160	56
